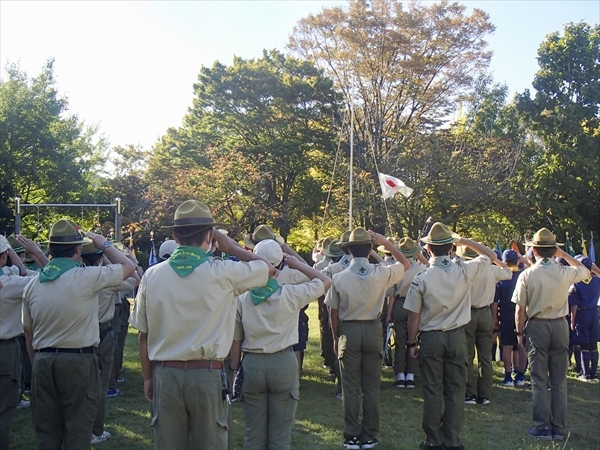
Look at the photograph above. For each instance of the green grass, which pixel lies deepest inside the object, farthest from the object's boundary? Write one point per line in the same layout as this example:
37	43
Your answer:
319	419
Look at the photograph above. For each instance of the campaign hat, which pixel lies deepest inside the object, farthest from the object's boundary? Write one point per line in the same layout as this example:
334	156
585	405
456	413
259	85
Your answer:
382	249
440	234
408	247
66	232
345	236
333	250
359	236
192	213
543	238
16	245
89	249
464	252
261	233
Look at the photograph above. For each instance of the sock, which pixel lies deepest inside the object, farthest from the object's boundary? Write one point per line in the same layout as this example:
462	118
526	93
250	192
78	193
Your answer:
594	358
410	377
400	376
577	355
586	358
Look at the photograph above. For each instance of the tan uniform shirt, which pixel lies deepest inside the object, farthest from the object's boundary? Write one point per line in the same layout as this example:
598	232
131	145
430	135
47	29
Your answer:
362	299
107	299
287	275
544	288
441	293
272	325
323	263
337	267
483	287
64	313
193	317
415	268
11	298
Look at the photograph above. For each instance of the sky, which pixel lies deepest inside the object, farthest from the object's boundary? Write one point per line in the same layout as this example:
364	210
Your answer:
129	67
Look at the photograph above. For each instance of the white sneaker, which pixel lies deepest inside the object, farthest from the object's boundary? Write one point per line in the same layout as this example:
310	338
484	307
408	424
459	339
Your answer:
105	436
23	404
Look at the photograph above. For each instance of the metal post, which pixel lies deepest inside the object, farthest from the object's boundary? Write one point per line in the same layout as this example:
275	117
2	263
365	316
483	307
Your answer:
351	159
17	215
118	220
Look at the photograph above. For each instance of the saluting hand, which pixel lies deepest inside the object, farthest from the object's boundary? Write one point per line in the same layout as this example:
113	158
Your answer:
377	238
97	239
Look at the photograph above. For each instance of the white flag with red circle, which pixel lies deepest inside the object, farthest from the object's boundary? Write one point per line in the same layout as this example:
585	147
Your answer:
391	185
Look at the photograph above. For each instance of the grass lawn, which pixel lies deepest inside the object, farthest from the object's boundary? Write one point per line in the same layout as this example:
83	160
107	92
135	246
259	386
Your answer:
319	419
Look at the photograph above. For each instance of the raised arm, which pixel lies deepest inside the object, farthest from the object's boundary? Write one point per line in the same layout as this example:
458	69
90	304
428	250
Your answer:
380	239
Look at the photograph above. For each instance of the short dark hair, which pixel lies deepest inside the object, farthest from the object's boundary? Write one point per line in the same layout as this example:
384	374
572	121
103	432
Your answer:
545	252
63	250
92	259
191	236
360	250
440	250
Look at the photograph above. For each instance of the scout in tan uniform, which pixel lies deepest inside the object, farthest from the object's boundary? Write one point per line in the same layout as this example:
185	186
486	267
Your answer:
439	307
480	329
185	311
355	301
60	319
541	295
266	329
404	365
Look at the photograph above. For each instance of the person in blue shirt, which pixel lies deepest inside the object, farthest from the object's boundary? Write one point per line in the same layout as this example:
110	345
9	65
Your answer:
583	301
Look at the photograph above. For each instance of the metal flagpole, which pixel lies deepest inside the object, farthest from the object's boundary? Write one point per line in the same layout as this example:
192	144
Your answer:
351	157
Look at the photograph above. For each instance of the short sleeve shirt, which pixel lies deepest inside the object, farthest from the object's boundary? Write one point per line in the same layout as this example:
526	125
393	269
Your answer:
483	287
11	297
415	268
107	299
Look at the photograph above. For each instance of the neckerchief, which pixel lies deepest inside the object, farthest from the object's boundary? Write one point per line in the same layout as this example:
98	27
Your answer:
361	267
185	259
443	262
260	294
56	267
345	261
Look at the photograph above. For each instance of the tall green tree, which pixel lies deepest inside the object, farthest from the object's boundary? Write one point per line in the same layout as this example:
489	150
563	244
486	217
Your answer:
564	114
48	155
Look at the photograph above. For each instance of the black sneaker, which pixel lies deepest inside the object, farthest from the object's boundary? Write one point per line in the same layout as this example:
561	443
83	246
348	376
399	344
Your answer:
558	436
543	435
400	384
410	384
352	444
371	443
471	400
483	401
424	446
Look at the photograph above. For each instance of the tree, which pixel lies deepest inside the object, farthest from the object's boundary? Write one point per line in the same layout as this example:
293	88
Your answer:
47	154
402	68
564	116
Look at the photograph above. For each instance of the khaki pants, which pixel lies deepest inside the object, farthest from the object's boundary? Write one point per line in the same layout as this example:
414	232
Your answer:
403	363
548	352
270	395
443	364
479	334
360	354
188	401
64	396
106	356
10	391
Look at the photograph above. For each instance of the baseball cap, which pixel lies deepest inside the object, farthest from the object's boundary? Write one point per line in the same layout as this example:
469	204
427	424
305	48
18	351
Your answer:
4	245
510	256
270	250
166	249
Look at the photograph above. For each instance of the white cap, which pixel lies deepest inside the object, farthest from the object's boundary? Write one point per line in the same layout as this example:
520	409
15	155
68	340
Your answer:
4	245
270	250
166	249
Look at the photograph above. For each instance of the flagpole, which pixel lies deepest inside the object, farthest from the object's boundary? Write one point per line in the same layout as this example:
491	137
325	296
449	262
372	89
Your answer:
351	158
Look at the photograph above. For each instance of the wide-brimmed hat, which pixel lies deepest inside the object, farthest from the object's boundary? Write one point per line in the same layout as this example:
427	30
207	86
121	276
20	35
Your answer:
464	252
270	250
90	249
345	236
440	234
166	249
543	238
408	247
359	236
382	249
261	233
16	245
333	250
66	232
4	245
192	213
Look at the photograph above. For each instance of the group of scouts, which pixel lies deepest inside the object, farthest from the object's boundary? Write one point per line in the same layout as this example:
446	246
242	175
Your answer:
207	324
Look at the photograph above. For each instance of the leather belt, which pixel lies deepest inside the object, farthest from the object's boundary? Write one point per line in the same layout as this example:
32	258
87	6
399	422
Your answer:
6	341
361	321
478	308
584	309
194	364
558	318
66	350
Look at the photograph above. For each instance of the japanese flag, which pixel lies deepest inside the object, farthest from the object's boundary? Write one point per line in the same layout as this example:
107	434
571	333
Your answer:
391	185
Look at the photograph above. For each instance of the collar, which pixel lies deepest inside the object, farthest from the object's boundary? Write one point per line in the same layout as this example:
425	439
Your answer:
346	260
361	267
545	262
443	262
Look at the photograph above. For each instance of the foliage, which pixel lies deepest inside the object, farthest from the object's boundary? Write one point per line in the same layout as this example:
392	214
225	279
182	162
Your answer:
48	155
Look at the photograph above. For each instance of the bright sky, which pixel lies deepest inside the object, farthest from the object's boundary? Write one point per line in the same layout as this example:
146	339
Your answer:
130	66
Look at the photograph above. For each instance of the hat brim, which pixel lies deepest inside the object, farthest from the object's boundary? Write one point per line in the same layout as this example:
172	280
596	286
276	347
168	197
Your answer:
348	244
382	249
248	243
413	252
81	241
451	240
196	225
531	244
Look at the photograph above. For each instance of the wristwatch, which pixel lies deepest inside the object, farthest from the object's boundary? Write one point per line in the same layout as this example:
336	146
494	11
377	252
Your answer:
411	344
519	333
106	244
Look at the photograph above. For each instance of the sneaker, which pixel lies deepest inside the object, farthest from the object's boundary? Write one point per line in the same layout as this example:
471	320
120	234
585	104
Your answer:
338	395
594	379
543	434
352	444
121	380
113	393
105	436
583	378
483	401
472	400
400	384
424	446
558	436
508	381
371	443
520	380
23	404
410	384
